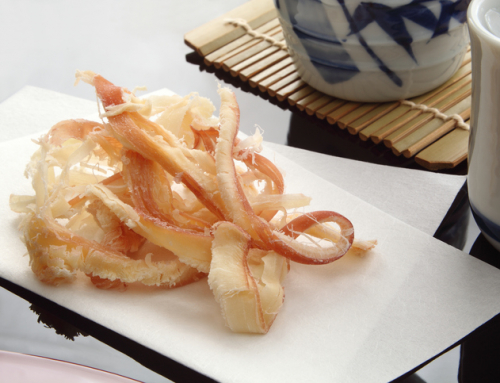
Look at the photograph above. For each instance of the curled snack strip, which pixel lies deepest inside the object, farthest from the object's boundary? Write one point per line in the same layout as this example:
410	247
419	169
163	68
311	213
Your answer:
246	282
57	253
241	212
163	193
132	130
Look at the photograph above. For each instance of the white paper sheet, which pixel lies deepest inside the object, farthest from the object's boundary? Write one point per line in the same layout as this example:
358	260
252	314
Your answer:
367	319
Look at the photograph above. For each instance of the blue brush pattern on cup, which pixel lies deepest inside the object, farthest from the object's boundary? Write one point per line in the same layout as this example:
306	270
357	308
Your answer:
488	227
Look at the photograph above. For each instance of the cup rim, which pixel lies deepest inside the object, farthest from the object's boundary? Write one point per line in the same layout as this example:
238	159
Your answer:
476	21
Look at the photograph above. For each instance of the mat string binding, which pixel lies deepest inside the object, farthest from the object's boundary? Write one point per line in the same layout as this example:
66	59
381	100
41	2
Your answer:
437	113
249	30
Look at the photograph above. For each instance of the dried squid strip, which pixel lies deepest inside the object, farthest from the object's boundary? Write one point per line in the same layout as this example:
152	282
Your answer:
279	202
209	137
192	248
254	161
172	159
241	212
78	129
114	181
326	231
57	253
152	195
21	203
263	165
247	283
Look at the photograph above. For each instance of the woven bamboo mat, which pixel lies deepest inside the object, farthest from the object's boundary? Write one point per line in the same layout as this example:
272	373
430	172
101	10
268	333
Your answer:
248	43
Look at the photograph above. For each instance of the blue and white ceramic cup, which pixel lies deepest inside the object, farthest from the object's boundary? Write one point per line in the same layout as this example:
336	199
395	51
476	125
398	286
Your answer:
484	146
375	50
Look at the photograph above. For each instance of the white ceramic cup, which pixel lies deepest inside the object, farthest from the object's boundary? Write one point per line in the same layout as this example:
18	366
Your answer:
375	50
484	144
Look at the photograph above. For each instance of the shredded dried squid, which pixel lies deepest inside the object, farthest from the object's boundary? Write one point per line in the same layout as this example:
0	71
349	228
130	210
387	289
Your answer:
163	193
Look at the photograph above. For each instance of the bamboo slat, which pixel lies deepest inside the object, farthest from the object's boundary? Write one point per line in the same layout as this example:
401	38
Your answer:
345	109
261	77
423	117
285	81
361	123
329	108
377	125
295	86
217	33
429	127
264	54
313	107
303	97
306	101
265	63
276	78
439	132
219	60
254	52
390	131
445	153
239	42
355	114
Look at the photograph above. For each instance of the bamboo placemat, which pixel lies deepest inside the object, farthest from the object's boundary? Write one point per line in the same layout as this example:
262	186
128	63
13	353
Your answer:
248	43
